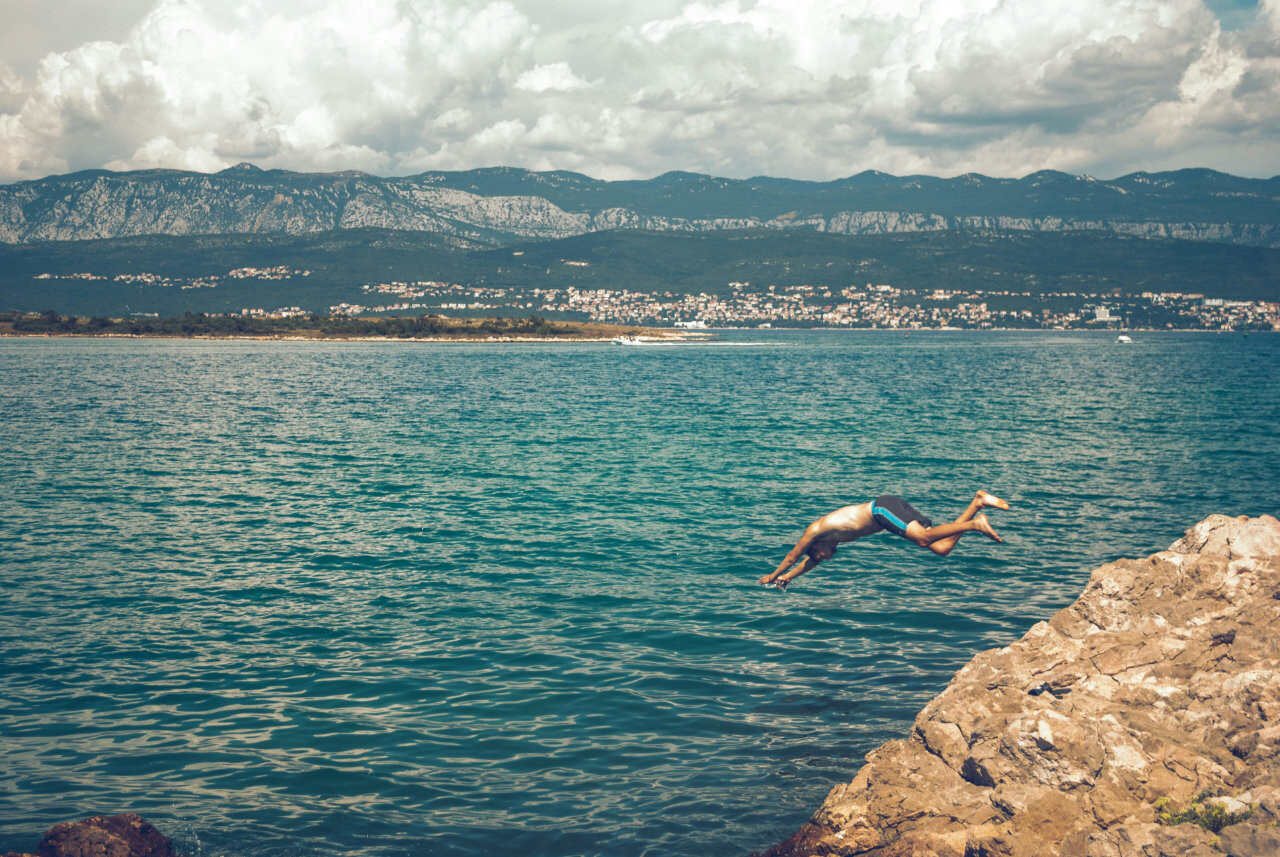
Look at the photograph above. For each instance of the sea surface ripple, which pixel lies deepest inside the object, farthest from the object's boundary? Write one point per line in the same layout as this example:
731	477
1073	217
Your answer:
426	599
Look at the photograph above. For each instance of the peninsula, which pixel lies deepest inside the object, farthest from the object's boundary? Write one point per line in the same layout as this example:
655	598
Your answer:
302	325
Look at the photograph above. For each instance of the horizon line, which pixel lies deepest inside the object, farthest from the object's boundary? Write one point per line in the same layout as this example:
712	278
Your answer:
248	168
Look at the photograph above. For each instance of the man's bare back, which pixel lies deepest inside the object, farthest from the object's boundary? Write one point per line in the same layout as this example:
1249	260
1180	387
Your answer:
846	524
886	512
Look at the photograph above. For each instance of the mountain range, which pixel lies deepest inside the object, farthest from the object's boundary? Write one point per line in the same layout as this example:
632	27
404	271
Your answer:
497	206
100	242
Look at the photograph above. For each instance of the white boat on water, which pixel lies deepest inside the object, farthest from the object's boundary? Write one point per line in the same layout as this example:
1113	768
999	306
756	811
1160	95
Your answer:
1123	338
627	340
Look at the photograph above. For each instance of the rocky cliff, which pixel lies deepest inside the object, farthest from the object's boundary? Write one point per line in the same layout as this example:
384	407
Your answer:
1144	719
498	205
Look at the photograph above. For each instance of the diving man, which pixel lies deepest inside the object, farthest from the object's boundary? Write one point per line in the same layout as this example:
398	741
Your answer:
886	512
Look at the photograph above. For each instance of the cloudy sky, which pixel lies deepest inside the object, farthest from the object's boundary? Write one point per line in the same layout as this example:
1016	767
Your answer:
814	89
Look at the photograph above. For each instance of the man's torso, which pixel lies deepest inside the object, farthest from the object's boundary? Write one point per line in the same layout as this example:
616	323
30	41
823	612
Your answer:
847	524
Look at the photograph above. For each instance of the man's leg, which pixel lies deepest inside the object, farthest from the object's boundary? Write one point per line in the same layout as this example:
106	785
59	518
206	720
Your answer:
944	537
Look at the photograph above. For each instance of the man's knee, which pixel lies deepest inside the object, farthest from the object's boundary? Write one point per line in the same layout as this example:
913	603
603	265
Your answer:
918	533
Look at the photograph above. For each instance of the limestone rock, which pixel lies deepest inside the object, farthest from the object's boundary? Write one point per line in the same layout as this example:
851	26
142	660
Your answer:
126	835
1162	681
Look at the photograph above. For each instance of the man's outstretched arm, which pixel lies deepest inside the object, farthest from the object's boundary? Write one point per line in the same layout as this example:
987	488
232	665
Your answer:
811	533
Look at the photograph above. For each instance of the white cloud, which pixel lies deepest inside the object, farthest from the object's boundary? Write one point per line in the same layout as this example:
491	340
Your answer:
163	152
555	76
806	88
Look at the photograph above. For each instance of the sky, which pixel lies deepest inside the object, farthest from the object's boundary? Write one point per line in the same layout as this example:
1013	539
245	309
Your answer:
808	89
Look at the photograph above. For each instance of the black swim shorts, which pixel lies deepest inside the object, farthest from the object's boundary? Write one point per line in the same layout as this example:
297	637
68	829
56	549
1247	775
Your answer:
893	513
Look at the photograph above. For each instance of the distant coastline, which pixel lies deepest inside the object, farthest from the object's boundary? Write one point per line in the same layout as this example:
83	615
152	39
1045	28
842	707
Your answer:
534	329
305	328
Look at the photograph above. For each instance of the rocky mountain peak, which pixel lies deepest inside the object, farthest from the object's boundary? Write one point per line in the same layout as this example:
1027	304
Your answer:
505	203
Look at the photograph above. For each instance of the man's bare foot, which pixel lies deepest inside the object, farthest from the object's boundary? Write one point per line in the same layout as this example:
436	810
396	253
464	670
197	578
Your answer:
990	500
984	527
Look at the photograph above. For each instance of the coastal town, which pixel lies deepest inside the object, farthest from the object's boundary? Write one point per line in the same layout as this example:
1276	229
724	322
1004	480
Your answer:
146	278
869	306
746	305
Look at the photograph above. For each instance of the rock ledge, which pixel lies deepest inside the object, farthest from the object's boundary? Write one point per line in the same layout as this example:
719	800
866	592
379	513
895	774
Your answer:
1159	685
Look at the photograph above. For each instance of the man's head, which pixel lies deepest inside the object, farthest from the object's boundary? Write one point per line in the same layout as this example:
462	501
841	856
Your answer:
821	551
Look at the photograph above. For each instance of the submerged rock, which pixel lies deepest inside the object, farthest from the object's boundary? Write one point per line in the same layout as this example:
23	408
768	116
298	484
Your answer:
126	835
1102	732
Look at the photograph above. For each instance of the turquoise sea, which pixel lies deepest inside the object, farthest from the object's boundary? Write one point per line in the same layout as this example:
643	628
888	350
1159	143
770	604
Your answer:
386	599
